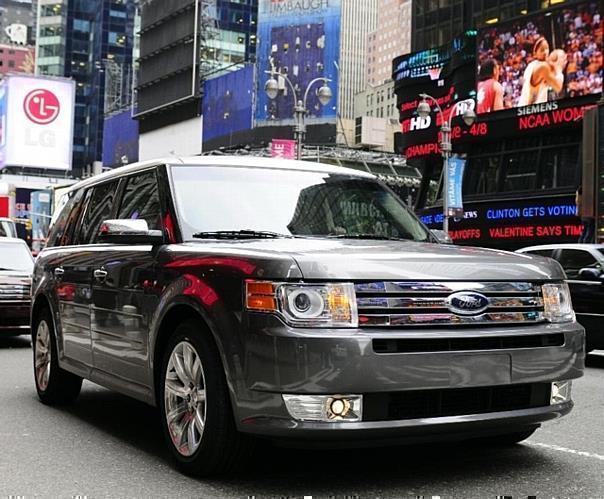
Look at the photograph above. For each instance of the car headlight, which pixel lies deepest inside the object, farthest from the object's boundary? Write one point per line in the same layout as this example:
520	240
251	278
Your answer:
557	304
305	305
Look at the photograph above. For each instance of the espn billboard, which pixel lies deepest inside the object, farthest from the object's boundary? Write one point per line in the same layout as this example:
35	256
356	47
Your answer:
37	117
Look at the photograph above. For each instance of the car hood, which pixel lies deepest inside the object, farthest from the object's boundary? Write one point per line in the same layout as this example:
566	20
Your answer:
390	260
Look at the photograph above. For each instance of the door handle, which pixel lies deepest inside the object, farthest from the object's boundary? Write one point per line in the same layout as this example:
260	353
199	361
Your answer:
100	274
59	272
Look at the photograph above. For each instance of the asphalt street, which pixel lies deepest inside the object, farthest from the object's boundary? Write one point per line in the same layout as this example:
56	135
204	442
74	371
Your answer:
107	445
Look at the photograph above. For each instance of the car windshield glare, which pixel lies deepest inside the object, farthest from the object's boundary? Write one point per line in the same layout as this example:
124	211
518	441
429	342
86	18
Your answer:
15	257
289	203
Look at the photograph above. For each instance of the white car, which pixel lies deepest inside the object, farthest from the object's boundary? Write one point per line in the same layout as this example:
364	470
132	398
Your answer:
16	268
7	228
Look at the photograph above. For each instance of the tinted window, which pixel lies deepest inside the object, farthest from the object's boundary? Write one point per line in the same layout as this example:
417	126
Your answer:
574	260
99	208
543	252
141	200
64	219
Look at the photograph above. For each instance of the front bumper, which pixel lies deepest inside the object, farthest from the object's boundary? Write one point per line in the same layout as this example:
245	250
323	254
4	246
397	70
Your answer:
282	360
14	317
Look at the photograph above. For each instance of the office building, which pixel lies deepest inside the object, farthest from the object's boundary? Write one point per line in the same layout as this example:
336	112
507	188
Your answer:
391	38
436	22
80	39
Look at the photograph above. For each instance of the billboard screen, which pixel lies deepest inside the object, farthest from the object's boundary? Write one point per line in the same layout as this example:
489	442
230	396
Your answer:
540	59
120	139
447	73
302	41
227	105
39	122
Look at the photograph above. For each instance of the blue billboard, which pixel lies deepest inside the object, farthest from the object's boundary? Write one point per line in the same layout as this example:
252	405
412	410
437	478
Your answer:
228	102
300	39
120	139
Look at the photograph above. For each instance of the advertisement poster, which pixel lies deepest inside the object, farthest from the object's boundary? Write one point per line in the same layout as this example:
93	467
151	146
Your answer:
39	123
228	103
283	148
3	115
300	40
120	139
539	59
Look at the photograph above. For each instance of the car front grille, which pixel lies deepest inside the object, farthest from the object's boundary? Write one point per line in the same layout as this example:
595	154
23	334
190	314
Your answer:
12	292
421	304
415	404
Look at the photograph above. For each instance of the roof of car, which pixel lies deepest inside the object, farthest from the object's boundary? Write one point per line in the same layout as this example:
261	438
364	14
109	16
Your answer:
12	240
229	161
563	246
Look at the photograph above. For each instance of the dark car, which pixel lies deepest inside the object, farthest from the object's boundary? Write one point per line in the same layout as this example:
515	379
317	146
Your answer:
16	267
584	267
248	297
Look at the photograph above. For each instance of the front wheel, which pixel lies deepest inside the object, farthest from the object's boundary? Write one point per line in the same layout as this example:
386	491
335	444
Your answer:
195	407
54	385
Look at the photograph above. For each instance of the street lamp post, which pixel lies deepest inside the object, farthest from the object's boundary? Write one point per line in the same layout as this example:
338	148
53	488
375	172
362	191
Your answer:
324	94
469	116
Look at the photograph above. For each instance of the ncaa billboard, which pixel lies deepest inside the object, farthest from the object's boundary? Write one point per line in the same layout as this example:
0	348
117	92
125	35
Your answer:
37	122
301	39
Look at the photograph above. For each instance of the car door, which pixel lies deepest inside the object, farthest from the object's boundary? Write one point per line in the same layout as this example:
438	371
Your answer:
75	273
123	298
68	268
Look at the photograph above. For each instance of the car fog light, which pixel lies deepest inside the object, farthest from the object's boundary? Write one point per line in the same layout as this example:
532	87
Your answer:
560	392
326	408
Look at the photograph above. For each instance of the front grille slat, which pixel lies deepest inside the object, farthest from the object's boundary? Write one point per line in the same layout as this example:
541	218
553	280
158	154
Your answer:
420	304
415	404
414	345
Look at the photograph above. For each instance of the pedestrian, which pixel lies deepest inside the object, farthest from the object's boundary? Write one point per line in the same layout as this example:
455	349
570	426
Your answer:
588	223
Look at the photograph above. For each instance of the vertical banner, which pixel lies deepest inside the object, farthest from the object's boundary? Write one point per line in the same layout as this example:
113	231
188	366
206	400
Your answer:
455	168
283	148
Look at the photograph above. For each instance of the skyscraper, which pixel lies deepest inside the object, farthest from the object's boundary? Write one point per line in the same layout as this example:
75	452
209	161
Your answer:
78	39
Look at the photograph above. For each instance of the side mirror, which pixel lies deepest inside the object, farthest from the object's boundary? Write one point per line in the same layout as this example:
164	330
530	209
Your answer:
129	232
590	274
441	236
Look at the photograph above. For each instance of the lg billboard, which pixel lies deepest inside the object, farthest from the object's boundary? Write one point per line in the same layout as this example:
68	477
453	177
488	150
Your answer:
37	122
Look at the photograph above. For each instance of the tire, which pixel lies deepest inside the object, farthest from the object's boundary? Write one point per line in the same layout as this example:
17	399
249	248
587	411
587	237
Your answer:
212	444
54	385
507	439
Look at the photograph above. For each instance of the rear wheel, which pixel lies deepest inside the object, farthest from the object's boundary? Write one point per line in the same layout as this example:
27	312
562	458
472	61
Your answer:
53	384
195	407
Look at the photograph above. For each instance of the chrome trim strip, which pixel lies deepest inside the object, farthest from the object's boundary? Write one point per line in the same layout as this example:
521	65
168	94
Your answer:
449	319
514	288
367	303
115	312
2	328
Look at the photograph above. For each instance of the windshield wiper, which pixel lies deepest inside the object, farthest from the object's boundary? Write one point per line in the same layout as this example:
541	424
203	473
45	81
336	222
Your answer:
239	234
366	236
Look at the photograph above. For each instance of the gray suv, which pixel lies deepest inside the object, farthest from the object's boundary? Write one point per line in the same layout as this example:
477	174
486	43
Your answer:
296	301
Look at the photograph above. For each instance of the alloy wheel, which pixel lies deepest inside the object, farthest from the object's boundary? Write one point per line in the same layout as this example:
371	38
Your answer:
185	398
42	355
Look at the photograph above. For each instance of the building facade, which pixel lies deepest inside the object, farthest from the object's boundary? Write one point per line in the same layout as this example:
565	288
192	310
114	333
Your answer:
436	22
80	39
376	117
391	38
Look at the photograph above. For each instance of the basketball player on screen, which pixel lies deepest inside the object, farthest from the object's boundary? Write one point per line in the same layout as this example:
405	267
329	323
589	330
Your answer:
545	71
490	91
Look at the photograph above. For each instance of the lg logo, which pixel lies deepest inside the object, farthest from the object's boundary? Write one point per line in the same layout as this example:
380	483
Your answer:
41	106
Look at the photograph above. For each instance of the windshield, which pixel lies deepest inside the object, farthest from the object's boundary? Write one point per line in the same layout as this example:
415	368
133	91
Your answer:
15	257
7	229
290	203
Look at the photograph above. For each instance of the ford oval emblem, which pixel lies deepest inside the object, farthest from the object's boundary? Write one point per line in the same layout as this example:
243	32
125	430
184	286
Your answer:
467	303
